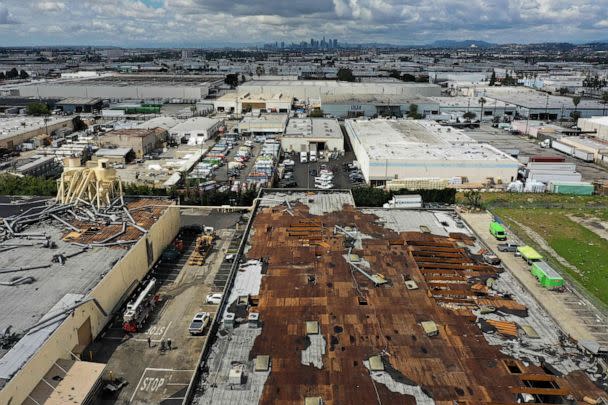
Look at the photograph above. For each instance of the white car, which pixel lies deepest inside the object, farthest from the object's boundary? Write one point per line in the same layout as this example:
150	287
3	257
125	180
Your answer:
214	298
199	323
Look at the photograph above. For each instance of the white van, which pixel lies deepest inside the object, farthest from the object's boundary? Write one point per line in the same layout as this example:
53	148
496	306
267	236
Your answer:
303	157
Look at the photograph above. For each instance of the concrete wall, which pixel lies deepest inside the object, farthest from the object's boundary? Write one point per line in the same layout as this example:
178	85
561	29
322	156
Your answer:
592	125
474	170
115	92
109	292
302	144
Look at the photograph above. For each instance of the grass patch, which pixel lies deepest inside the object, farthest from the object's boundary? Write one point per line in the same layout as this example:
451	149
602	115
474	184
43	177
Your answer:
572	241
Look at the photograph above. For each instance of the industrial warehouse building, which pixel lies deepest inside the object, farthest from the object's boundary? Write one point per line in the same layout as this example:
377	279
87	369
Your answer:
123	87
314	89
460	105
77	105
233	103
263	124
195	131
57	300
142	141
536	105
599	125
15	131
312	134
374	105
391	149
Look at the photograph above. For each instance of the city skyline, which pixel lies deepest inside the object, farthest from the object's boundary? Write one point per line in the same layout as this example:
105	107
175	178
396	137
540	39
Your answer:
132	23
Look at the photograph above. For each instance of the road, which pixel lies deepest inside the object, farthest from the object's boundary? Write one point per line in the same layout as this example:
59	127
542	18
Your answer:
156	376
575	316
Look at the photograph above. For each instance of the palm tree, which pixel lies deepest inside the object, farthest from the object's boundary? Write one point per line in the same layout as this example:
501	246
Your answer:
575	101
481	101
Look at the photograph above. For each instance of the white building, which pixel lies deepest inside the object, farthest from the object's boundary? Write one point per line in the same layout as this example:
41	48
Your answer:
313	134
314	89
196	130
234	103
263	124
413	149
597	124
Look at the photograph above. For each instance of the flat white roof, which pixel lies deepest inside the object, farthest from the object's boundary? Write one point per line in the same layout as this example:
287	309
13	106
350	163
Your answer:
327	83
385	139
472	102
313	128
530	98
195	124
596	120
12	126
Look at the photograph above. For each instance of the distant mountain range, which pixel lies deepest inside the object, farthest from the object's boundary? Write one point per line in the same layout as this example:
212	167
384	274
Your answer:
468	43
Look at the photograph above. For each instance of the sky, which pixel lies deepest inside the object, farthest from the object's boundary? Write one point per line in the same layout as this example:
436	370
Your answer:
203	23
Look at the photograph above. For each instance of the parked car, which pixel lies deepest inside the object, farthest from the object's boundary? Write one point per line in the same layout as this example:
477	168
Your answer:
507	247
214	298
492	259
199	323
312	172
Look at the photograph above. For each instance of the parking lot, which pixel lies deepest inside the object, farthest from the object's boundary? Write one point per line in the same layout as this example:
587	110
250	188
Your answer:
503	140
153	375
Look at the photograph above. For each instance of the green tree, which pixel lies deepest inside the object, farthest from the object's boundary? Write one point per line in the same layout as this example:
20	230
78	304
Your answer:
2	76
413	112
563	91
232	79
395	73
28	185
575	100
345	75
408	77
23	75
79	124
12	74
493	78
469	115
37	109
472	199
316	113
604	101
482	101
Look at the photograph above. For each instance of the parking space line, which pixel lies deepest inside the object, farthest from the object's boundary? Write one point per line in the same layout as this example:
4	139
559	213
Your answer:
138	384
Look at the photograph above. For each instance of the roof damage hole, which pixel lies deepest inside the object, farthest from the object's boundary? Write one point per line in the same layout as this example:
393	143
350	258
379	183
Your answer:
338	329
459	391
352	339
330	285
513	367
333	341
423	350
388	337
362	301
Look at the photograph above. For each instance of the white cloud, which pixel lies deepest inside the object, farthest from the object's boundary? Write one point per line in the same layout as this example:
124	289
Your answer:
247	21
50	6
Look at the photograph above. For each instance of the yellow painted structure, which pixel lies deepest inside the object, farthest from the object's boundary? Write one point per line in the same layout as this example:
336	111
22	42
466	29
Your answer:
67	340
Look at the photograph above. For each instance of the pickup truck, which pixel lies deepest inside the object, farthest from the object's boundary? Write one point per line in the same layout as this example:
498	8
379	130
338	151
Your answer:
507	247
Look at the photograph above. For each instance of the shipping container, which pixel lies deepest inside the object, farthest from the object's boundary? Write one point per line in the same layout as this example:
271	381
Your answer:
562	147
546	275
584	155
571	188
547	159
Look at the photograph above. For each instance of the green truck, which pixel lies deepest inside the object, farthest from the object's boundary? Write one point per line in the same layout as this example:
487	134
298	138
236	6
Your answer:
546	275
529	254
498	231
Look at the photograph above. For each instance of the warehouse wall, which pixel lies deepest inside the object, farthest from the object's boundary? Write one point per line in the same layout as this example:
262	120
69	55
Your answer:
301	144
475	171
112	92
590	125
109	292
17	139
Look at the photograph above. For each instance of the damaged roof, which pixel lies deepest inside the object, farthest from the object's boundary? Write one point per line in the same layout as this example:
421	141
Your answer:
306	276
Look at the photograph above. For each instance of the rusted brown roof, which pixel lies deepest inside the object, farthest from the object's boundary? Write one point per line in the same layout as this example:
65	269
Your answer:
145	212
457	365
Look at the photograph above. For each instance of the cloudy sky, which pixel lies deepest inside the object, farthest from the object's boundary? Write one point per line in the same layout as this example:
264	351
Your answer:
220	22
